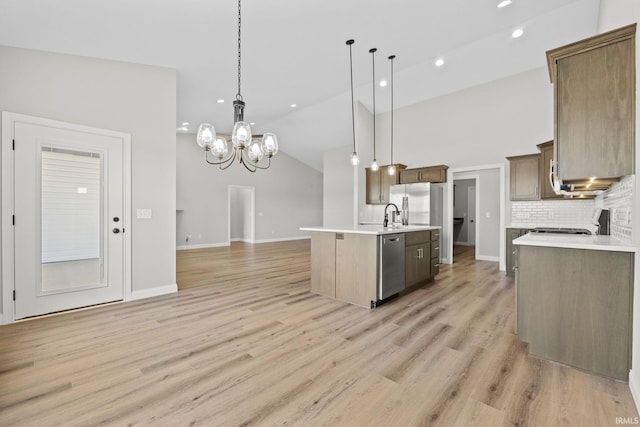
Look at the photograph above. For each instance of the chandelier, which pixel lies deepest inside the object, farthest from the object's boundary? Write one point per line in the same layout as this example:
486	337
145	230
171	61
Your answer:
248	149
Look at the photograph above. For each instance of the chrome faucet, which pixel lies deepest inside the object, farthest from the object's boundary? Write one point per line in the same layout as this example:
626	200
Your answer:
385	224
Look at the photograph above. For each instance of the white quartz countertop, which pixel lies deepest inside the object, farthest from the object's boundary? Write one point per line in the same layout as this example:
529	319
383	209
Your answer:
372	229
574	241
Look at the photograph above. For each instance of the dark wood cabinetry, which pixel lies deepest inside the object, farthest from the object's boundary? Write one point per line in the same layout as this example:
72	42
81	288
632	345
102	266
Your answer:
422	256
510	248
546	157
435	174
378	184
524	177
594	84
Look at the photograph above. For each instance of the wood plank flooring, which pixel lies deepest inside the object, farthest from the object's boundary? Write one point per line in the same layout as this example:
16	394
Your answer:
244	343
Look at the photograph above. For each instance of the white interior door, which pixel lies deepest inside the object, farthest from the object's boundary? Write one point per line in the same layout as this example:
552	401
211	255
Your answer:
69	223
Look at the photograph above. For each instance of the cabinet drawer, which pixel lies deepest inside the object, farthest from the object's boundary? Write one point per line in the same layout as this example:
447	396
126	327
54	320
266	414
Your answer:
415	237
435	235
435	266
435	250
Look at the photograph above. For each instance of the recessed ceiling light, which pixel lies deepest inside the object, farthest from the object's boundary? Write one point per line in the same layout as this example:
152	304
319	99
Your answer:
439	62
220	101
185	123
182	129
252	123
383	83
294	105
517	33
504	3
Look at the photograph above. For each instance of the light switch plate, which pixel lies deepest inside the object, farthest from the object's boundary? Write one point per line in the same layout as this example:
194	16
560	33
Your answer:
143	214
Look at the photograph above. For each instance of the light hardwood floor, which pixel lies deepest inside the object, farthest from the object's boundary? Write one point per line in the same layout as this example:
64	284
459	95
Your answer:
244	343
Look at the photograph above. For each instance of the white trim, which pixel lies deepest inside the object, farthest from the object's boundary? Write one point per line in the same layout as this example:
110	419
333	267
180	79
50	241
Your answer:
203	246
476	179
284	239
8	123
488	258
154	292
634	385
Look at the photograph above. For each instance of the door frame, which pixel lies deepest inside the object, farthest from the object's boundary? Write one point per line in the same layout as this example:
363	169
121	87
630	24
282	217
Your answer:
476	180
7	285
460	173
252	207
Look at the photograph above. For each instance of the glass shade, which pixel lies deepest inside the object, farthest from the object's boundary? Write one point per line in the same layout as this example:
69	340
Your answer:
269	144
241	135
255	152
206	134
354	159
219	148
374	165
392	170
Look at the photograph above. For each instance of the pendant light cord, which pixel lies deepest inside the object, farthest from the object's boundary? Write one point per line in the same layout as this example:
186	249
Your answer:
391	58
373	67
353	115
238	95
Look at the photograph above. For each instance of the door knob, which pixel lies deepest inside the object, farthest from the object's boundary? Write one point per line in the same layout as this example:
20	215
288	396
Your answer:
116	219
116	230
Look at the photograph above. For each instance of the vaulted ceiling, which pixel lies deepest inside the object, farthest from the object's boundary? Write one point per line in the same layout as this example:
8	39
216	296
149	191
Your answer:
294	52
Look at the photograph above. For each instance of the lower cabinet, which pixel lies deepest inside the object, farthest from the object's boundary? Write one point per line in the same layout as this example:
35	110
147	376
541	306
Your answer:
419	266
510	249
574	306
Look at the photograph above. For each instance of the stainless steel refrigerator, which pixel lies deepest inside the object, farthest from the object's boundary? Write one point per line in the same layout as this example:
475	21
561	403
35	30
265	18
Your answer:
419	196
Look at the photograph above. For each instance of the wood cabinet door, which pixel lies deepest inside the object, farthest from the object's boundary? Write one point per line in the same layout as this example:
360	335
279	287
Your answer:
373	189
595	112
411	264
356	272
524	177
546	157
424	261
410	176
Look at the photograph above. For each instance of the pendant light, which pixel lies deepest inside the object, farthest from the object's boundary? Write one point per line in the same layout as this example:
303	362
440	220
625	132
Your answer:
354	157
392	169
374	163
247	150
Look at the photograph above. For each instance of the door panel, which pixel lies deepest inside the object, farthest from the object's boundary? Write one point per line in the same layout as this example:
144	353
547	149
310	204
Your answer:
68	205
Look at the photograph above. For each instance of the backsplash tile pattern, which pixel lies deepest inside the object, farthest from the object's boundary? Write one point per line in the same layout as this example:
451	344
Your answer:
553	213
619	200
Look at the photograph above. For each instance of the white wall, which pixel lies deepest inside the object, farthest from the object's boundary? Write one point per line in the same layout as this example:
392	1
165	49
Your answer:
615	14
119	96
288	196
338	183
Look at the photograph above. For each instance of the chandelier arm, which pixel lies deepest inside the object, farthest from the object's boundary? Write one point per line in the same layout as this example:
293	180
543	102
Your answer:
250	167
258	166
221	162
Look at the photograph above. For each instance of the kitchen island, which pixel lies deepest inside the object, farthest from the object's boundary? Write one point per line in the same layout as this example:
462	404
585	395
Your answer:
366	264
574	296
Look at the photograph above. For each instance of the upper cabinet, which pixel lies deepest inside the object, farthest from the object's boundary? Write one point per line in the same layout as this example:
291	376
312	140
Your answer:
594	85
378	183
524	177
433	174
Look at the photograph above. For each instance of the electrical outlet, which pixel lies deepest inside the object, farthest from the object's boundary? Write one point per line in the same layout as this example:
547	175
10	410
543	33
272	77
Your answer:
143	214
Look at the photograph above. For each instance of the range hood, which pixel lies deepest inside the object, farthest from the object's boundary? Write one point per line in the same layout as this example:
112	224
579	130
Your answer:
588	187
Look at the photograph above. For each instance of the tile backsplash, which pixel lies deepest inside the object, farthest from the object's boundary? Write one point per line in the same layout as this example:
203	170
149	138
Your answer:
579	213
619	200
553	213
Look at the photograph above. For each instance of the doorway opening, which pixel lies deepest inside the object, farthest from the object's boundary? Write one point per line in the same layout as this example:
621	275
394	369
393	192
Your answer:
241	214
464	216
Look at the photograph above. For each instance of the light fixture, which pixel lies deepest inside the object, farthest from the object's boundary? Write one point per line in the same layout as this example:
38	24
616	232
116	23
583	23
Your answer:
374	163
517	33
383	83
354	157
220	101
248	150
294	105
439	62
185	123
392	169
504	3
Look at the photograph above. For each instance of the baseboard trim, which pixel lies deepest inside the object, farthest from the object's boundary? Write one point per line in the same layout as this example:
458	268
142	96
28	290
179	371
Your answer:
154	292
488	258
284	239
634	385
204	246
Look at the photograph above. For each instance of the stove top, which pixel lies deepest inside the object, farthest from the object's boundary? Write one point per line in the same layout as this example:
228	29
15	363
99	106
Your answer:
561	230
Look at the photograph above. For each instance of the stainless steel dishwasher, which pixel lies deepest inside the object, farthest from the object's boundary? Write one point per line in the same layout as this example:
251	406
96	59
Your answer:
391	265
